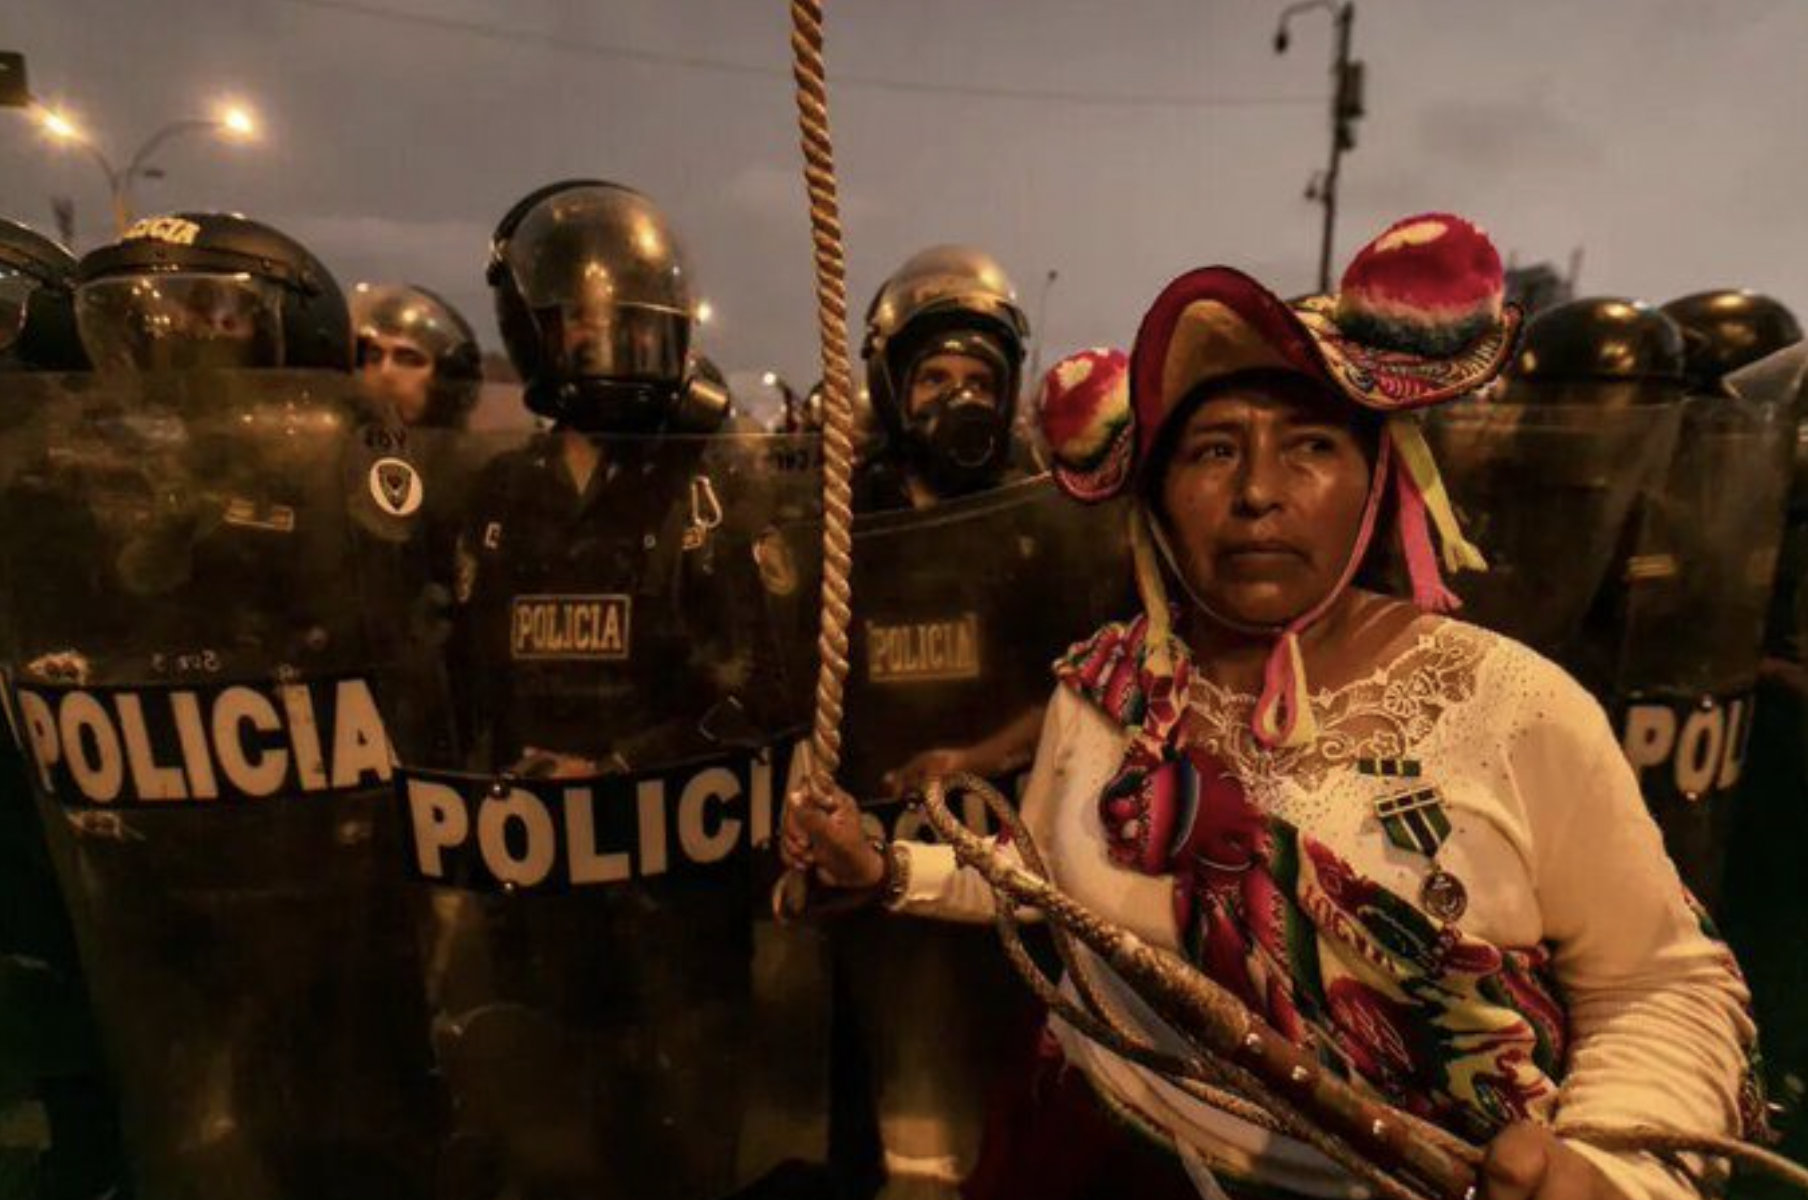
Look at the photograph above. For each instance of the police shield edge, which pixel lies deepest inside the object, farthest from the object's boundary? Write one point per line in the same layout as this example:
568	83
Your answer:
189	565
1697	594
592	765
1547	493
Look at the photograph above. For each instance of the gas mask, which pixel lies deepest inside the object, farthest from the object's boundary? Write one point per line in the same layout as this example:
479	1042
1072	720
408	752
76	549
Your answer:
960	439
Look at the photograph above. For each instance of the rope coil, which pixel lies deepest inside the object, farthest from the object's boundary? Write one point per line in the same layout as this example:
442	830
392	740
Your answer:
1232	1051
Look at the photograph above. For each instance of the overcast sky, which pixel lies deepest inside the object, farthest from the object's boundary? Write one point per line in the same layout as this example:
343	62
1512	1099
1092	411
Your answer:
1116	141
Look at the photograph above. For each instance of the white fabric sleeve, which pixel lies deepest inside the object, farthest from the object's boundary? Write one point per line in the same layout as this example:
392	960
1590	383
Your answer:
938	886
1658	1029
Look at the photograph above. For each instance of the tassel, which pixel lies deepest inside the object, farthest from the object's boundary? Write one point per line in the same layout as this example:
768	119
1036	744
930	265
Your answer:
1429	591
1158	637
1459	553
1283	716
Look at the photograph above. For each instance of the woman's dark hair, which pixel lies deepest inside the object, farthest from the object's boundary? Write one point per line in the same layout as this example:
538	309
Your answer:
1380	570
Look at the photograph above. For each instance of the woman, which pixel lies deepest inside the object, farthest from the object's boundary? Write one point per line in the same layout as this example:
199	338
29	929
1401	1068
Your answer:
1431	864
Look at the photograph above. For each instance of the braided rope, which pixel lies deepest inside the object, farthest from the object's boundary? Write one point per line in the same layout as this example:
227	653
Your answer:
791	897
838	382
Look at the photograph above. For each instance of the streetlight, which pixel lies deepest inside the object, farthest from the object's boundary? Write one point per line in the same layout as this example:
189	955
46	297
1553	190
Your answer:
234	122
1346	109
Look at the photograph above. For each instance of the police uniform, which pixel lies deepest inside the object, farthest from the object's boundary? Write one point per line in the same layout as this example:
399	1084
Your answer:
221	944
616	628
957	620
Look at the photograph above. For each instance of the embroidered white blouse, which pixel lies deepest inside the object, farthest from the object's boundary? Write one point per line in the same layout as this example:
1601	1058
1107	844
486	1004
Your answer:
1549	836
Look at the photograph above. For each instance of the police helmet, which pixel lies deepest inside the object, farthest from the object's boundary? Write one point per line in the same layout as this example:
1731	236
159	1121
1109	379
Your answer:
946	300
209	290
597	309
1605	350
1728	329
413	313
37	303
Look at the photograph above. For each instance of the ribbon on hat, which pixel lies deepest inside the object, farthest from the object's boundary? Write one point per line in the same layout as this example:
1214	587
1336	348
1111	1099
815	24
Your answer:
1428	495
1159	637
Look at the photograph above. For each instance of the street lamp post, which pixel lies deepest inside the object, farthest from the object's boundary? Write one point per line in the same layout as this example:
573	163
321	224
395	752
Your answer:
1346	110
233	122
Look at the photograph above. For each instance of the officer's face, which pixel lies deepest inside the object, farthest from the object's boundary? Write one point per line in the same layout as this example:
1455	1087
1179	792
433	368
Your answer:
397	372
942	375
1263	497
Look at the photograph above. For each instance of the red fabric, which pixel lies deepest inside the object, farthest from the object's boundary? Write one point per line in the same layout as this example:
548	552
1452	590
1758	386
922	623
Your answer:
1266	313
1460	270
1049	1138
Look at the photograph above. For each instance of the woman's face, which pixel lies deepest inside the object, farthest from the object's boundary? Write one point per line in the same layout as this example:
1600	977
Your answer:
1264	495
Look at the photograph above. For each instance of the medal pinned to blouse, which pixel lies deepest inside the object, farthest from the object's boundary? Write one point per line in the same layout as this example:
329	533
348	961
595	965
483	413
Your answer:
1416	820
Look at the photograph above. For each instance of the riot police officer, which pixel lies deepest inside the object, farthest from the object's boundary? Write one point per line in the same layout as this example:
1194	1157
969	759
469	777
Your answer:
62	1066
955	550
1729	331
1584	425
251	962
1662	500
609	622
416	354
37	313
594	301
216	315
944	355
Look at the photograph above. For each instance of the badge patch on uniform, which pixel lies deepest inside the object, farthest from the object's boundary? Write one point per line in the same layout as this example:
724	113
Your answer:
570	628
923	651
1416	821
396	487
464	573
248	514
778	570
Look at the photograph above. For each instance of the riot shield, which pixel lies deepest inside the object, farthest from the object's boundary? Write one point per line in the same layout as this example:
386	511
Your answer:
960	611
1635	544
591	769
1548	492
1764	892
188	565
1697	594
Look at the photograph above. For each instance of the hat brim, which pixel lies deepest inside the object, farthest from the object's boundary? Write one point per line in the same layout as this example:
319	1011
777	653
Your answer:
1216	321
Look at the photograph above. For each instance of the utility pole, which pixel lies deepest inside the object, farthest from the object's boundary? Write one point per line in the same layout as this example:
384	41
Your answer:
1346	109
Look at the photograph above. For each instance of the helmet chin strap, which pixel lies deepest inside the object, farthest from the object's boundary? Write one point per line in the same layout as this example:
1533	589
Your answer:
1283	715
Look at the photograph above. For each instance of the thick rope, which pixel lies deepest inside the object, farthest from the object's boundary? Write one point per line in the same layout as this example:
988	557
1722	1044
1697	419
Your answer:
1359	1131
790	898
838	382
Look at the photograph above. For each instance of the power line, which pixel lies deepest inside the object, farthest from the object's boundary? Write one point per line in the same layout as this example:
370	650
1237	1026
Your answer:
694	62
